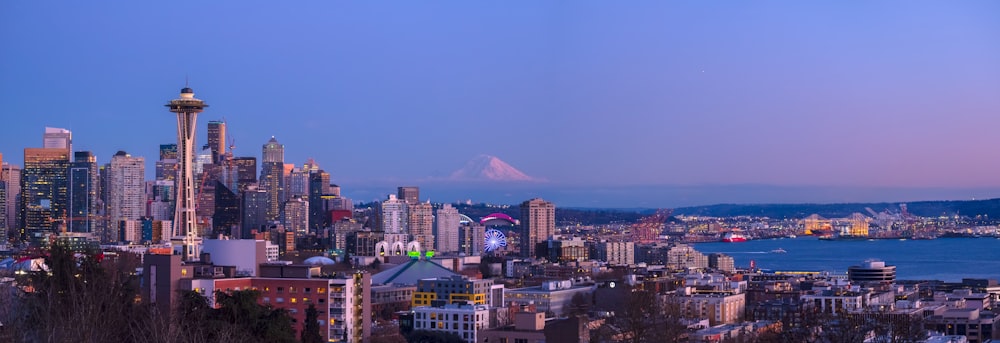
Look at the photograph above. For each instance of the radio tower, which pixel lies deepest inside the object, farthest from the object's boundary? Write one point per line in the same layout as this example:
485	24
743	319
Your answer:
187	108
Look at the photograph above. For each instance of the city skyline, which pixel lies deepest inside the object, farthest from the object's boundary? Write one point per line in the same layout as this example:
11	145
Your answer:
889	95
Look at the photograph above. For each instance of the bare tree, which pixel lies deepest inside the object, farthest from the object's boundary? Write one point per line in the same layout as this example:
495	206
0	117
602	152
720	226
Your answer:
639	311
668	325
81	298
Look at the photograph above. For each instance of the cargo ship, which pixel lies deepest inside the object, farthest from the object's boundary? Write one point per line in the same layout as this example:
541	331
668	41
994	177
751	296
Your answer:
734	237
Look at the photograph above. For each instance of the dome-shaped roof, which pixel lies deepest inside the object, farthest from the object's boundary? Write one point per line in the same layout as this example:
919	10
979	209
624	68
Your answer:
319	261
497	218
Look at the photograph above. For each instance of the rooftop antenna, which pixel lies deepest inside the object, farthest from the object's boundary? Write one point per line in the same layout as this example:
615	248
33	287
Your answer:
186	81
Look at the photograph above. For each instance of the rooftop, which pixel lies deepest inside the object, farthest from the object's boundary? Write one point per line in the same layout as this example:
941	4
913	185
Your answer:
411	272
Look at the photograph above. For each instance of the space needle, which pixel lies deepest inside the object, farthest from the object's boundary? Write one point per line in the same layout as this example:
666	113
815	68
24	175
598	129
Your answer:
187	108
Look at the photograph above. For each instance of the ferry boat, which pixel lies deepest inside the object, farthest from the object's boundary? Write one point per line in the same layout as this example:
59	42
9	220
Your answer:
734	237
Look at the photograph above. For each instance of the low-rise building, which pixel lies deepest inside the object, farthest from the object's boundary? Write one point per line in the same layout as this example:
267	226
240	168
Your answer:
718	307
462	319
452	289
552	296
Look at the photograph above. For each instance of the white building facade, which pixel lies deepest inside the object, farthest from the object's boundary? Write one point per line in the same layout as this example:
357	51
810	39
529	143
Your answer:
127	188
446	224
463	320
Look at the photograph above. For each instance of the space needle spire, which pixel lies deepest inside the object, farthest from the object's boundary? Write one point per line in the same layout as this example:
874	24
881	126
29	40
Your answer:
187	108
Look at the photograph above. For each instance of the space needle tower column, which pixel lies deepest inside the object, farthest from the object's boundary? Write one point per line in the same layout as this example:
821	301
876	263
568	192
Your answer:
187	108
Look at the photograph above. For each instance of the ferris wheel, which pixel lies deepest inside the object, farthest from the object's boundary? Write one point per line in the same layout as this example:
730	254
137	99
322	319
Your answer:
494	240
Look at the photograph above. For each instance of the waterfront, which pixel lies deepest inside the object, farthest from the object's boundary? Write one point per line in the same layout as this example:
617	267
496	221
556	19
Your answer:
948	259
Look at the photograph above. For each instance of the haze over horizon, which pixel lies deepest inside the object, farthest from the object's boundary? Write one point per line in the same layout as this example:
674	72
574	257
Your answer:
617	105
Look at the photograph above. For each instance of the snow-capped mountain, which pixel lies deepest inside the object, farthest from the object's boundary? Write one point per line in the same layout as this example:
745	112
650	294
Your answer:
489	168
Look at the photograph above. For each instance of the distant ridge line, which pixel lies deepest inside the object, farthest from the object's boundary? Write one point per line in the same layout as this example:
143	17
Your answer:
934	208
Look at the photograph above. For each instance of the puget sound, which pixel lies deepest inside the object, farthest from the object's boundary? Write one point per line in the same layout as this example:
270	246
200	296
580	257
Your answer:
945	259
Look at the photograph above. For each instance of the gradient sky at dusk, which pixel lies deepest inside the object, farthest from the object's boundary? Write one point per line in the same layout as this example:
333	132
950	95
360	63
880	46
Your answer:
819	93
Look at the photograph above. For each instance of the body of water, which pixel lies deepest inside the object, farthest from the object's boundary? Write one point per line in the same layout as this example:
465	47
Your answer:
948	259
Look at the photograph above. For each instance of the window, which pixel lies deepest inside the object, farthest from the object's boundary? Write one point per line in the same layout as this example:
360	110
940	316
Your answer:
294	300
520	340
267	300
321	290
279	300
291	289
307	290
281	289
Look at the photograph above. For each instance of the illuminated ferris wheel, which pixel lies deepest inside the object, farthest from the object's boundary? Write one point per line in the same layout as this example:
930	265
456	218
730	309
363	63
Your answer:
494	240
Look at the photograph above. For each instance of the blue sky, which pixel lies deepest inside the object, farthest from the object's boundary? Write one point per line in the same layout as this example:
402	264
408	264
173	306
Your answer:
820	93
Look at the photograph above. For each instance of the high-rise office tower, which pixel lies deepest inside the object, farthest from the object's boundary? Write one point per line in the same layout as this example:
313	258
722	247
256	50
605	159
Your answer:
56	138
3	210
411	195
217	140
226	219
246	172
168	151
297	184
126	196
286	173
538	223
84	183
4	226
295	215
44	184
166	166
253	211
3	203
186	108
421	223
11	176
272	178
103	224
311	166
205	193
319	185
446	223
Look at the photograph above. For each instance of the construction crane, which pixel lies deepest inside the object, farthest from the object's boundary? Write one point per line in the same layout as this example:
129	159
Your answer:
649	228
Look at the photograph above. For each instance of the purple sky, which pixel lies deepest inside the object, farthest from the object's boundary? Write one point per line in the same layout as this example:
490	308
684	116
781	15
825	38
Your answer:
819	93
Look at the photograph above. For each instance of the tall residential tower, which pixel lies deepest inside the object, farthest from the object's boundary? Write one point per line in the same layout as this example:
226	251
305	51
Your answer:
538	223
126	190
